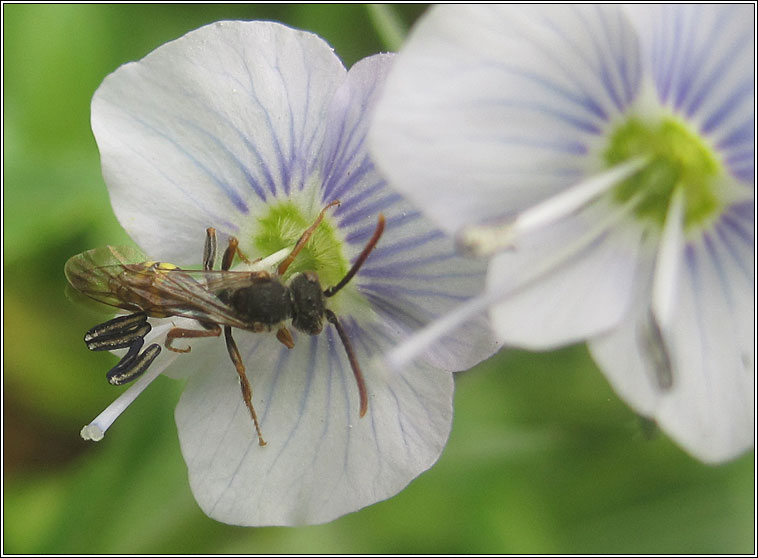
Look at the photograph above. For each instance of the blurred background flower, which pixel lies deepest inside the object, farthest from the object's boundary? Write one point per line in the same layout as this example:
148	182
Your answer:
543	456
512	112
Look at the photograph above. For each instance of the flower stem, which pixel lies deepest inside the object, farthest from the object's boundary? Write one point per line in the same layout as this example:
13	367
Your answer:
388	24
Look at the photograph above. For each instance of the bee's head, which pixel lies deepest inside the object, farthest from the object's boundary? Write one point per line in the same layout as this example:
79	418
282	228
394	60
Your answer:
309	303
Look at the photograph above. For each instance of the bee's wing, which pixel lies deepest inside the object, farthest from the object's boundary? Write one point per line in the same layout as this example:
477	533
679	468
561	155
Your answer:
178	292
217	280
92	272
120	277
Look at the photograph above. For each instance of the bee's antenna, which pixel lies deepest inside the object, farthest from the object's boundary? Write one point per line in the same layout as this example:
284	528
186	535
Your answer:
331	291
353	361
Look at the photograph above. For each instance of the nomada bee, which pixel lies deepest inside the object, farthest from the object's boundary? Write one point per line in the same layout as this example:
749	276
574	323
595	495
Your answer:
217	299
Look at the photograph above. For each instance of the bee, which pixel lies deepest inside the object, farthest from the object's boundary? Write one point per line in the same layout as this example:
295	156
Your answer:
218	300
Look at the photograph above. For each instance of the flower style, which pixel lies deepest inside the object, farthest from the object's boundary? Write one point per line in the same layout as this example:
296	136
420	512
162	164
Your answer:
253	128
602	159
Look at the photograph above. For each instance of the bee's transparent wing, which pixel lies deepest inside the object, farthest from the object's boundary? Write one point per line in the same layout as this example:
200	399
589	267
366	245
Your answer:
91	273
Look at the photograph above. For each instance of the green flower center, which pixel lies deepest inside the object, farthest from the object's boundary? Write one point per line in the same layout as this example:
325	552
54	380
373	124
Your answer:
283	225
677	157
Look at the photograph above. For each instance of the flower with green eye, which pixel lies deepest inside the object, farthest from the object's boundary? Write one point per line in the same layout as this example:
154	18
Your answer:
601	158
252	129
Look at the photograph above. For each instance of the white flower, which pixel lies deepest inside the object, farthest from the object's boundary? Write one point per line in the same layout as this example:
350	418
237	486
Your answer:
253	128
603	158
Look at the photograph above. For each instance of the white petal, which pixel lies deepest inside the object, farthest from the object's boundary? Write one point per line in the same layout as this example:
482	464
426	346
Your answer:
618	351
490	109
709	408
210	125
565	282
414	276
321	460
702	61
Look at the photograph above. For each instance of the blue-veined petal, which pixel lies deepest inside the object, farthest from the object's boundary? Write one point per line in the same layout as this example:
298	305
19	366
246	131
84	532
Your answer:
321	460
701	58
491	109
414	275
709	406
493	114
564	283
210	126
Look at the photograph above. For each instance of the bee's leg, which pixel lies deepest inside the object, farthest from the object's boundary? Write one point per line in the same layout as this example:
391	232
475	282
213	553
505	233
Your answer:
285	337
247	392
232	249
133	364
212	330
209	251
301	242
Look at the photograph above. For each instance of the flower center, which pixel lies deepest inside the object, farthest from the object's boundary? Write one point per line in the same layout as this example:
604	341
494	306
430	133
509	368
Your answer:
677	157
282	226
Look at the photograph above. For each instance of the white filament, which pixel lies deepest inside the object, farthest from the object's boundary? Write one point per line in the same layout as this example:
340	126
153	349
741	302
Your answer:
482	240
668	261
96	429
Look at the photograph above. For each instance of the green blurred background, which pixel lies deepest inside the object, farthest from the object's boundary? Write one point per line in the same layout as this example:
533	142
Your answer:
543	457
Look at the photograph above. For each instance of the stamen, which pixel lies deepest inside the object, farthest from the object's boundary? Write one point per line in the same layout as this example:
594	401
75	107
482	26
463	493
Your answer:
265	264
668	261
483	240
119	340
653	347
128	370
400	356
96	429
117	333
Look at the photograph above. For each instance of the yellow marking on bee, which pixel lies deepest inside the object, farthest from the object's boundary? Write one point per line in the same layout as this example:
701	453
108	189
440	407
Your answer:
161	266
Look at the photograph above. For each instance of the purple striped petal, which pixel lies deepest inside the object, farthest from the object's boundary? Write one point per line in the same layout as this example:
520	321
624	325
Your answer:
321	460
702	61
207	131
709	408
492	108
209	127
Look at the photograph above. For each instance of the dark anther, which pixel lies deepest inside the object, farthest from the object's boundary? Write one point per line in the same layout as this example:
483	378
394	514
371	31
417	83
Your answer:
133	364
117	333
